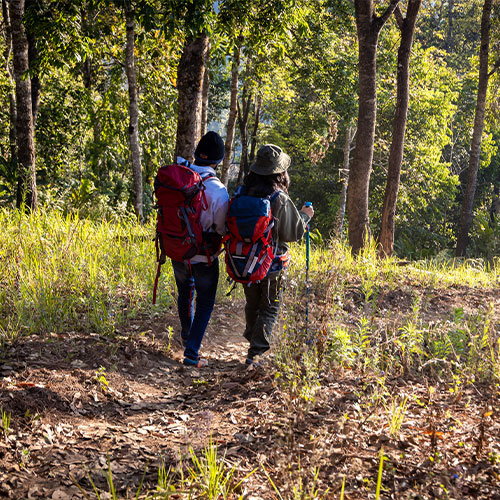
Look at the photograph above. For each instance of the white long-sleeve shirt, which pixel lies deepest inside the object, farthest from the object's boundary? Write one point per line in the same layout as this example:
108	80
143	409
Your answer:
213	219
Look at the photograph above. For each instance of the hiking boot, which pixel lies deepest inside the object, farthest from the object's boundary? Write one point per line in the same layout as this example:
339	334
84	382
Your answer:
252	364
199	363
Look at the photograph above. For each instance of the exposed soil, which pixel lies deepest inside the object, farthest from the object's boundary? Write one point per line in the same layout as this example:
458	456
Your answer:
147	408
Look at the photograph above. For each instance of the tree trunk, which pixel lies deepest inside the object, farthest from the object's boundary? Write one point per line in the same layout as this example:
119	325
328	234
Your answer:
133	129
253	138
243	115
36	85
386	237
449	35
495	201
12	94
357	202
475	150
88	16
27	192
12	131
349	136
368	28
204	97
231	120
190	73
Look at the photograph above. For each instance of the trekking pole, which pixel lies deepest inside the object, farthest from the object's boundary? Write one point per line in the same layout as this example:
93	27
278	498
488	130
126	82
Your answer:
307	204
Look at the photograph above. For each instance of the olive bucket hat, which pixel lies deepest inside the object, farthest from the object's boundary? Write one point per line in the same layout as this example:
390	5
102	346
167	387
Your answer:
270	160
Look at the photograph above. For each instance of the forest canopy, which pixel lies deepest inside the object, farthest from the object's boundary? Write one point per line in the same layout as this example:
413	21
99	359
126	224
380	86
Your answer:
94	92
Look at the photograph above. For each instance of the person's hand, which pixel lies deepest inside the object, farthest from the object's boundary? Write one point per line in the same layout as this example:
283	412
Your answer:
308	210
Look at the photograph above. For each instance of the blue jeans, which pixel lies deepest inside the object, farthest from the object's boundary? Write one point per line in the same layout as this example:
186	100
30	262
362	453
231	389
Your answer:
202	279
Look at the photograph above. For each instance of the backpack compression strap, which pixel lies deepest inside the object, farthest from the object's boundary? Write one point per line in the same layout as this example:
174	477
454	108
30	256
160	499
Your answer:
155	287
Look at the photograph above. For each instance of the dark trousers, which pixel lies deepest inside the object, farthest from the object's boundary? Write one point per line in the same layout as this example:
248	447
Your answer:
263	302
202	279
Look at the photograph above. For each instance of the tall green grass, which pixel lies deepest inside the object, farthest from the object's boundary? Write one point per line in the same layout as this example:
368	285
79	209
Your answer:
439	272
61	272
352	325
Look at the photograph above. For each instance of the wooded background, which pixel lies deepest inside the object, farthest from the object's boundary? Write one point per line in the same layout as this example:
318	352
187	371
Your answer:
98	94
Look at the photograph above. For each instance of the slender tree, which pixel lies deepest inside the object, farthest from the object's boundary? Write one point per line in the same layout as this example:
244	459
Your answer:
349	136
368	26
407	27
190	75
449	34
477	133
204	96
133	94
253	138
12	91
233	111
36	84
27	192
495	201
243	116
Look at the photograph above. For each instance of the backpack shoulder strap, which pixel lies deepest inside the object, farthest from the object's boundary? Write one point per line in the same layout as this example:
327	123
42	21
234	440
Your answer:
181	161
240	190
273	196
206	176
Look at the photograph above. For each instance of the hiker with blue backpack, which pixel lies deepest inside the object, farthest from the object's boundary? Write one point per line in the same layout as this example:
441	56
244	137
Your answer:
261	220
192	206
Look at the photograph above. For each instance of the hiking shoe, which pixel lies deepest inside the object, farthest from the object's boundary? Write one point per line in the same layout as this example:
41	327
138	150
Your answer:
199	363
251	364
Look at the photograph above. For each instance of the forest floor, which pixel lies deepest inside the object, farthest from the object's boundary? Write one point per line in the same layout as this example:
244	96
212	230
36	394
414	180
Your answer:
82	404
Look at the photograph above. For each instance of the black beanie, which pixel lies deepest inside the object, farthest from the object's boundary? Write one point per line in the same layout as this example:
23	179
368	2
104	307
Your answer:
210	149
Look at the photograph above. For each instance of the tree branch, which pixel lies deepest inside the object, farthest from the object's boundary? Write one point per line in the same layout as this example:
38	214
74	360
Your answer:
381	20
495	68
399	17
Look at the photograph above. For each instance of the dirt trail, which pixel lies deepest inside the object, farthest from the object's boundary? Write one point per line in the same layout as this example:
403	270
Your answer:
76	400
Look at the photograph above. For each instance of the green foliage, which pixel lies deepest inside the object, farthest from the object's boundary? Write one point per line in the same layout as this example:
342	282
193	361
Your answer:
426	209
304	485
379	476
311	102
464	344
300	59
81	133
210	475
100	378
486	236
396	412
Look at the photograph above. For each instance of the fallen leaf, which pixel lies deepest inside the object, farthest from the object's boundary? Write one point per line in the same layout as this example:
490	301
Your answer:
60	494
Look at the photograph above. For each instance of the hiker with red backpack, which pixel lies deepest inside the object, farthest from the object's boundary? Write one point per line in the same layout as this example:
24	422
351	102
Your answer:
261	220
192	207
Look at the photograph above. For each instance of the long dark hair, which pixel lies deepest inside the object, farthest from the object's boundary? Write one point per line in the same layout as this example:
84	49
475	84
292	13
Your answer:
264	185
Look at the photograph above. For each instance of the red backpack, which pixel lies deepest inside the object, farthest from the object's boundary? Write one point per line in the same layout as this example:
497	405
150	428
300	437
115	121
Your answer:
180	199
250	252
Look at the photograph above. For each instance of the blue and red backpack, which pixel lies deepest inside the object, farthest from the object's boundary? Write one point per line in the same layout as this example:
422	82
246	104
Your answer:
249	246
